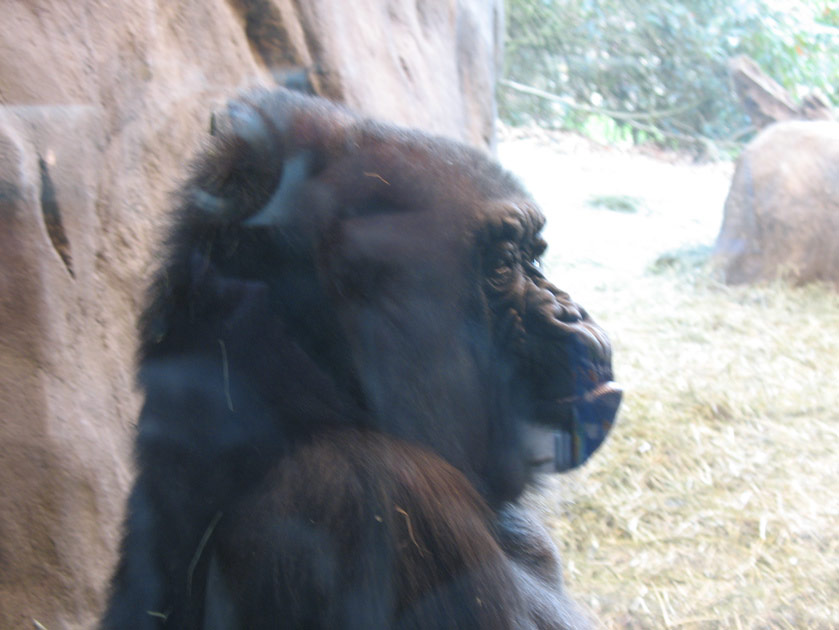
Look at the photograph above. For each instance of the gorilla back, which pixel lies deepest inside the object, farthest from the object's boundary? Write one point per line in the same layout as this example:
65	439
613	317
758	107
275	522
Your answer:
352	367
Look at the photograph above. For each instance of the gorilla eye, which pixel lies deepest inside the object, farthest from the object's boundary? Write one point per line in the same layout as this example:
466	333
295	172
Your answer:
536	252
503	262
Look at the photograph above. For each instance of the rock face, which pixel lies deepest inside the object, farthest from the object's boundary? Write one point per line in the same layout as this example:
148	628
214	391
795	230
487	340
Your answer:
782	212
101	105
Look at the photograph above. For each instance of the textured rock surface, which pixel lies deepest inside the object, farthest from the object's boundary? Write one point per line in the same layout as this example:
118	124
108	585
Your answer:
782	211
101	105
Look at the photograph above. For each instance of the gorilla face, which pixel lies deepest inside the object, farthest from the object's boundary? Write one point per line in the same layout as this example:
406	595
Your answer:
435	316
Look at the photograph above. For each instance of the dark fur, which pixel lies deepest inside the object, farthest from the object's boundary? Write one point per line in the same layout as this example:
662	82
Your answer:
341	357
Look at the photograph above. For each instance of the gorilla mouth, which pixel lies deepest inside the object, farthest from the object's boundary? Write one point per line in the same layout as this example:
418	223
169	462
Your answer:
590	418
568	361
578	425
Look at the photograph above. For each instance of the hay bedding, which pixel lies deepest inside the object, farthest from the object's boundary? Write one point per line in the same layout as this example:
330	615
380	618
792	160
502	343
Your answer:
715	503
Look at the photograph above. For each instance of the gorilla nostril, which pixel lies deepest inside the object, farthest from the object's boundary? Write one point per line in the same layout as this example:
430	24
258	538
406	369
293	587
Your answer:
566	313
547	307
561	308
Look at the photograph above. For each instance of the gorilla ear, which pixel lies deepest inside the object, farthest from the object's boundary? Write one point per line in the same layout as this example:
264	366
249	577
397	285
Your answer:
314	157
240	167
260	175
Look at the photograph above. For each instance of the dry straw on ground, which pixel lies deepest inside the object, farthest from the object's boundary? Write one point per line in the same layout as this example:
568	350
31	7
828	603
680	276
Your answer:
715	502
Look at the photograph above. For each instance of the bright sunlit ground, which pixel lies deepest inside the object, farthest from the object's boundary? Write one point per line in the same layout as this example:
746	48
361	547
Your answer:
715	503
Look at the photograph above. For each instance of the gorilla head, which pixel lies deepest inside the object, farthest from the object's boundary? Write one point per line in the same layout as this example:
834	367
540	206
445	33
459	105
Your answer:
326	272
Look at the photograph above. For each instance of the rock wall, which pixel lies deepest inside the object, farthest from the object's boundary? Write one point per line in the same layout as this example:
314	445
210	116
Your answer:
781	216
101	105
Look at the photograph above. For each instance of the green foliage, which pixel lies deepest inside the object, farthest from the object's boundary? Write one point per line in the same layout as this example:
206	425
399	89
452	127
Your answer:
660	67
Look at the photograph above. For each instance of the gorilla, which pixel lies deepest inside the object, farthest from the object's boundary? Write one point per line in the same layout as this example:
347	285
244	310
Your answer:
352	369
